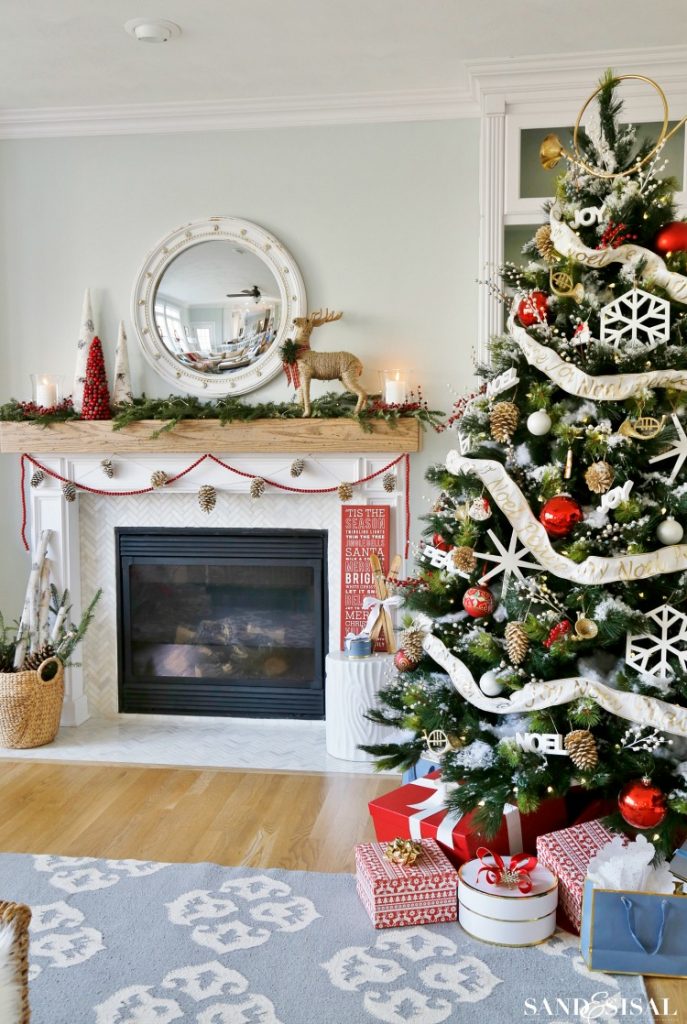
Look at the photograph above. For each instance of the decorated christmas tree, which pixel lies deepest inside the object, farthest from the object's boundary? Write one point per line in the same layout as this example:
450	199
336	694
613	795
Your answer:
96	394
548	641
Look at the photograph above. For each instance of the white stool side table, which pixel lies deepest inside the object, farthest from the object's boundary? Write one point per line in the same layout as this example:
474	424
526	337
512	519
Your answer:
352	685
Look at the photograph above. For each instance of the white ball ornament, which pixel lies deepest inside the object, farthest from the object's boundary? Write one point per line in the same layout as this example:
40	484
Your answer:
490	685
539	423
669	531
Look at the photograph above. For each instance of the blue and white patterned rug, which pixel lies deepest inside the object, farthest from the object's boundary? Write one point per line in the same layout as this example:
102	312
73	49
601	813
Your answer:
136	942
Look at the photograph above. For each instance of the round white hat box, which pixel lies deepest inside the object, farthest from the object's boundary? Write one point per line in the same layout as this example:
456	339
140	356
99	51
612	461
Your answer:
505	916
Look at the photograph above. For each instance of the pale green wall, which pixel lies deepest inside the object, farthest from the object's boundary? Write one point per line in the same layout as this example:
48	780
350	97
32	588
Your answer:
383	221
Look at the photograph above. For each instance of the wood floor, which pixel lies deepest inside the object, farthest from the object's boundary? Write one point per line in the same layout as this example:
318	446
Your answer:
257	819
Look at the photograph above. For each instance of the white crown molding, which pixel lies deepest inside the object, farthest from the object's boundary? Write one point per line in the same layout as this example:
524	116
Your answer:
239	115
522	84
531	83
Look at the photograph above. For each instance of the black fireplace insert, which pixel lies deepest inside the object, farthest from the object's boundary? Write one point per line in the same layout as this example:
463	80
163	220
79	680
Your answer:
222	622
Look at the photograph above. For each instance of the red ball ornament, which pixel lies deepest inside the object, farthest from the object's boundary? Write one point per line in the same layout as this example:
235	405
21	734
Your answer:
671	238
641	804
403	661
558	515
439	542
478	601
560	630
533	309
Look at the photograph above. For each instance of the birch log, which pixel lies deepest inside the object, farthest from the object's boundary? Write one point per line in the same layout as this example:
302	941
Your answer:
59	622
34	589
43	631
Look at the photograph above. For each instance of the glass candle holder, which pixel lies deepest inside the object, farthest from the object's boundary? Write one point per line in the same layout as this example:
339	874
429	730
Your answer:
394	386
46	389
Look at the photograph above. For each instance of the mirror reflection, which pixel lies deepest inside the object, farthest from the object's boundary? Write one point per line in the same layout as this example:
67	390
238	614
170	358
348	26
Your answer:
217	307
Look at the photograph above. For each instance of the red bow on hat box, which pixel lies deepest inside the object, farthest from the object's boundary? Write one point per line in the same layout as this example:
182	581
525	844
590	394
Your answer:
418	811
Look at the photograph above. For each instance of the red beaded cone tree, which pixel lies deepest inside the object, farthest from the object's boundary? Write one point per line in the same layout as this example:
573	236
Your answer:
96	394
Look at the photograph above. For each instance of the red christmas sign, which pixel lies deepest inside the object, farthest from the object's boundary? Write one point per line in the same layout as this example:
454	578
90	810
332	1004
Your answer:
364	531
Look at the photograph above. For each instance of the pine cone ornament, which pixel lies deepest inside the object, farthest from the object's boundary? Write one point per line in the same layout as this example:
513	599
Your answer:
297	467
412	641
599	477
464	559
581	746
517	642
545	246
107	468
389	482
35	660
158	479
345	492
37	478
503	419
257	487
69	491
207	498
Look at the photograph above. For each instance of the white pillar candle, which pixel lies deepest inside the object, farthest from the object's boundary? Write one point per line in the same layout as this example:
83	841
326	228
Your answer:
46	394
395	391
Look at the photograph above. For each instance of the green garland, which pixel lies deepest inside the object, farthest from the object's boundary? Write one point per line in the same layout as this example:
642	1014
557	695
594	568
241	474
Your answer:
175	408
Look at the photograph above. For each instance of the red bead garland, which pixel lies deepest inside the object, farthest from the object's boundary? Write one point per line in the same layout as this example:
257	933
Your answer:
405	459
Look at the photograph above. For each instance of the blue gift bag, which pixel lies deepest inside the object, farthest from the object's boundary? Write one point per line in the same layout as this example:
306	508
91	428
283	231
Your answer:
634	932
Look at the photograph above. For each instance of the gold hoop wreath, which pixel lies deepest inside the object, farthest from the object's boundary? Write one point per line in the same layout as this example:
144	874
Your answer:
552	149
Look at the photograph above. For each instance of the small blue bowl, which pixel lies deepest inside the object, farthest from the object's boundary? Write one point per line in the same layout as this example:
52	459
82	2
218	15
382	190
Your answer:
359	647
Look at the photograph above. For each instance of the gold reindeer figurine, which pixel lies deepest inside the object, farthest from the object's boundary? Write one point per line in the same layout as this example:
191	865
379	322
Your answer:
343	366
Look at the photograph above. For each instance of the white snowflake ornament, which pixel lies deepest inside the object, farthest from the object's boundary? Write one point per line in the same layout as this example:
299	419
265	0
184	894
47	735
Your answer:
652	653
509	560
677	450
636	318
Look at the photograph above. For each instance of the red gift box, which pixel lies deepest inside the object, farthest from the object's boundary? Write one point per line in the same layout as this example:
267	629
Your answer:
567	853
396	895
418	811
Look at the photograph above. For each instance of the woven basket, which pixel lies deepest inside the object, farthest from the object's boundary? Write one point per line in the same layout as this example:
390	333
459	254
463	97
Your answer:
30	706
19	916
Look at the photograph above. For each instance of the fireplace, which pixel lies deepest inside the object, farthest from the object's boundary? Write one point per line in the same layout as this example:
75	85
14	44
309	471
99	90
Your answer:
222	621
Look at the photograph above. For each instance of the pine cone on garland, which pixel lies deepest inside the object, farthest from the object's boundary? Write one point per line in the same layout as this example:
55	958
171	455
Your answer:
345	491
207	498
503	419
545	246
412	641
257	487
35	660
581	746
464	559
517	642
37	478
389	482
107	468
158	479
297	467
69	491
599	477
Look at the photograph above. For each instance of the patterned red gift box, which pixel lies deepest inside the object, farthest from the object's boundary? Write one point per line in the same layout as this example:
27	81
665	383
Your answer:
567	853
418	811
394	895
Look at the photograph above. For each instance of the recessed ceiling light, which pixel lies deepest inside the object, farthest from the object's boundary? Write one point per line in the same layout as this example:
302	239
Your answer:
152	30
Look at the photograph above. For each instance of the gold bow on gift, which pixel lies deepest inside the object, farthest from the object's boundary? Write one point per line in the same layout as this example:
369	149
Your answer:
403	851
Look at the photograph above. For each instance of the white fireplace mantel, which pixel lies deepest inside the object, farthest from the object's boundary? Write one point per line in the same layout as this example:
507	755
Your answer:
88	523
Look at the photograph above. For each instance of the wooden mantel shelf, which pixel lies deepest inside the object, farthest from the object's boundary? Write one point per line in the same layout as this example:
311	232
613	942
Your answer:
297	435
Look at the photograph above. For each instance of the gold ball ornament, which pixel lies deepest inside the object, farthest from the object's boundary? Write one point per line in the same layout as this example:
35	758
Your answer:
599	477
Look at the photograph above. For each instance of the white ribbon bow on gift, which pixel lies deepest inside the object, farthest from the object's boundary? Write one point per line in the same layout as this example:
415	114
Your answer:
436	802
375	606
